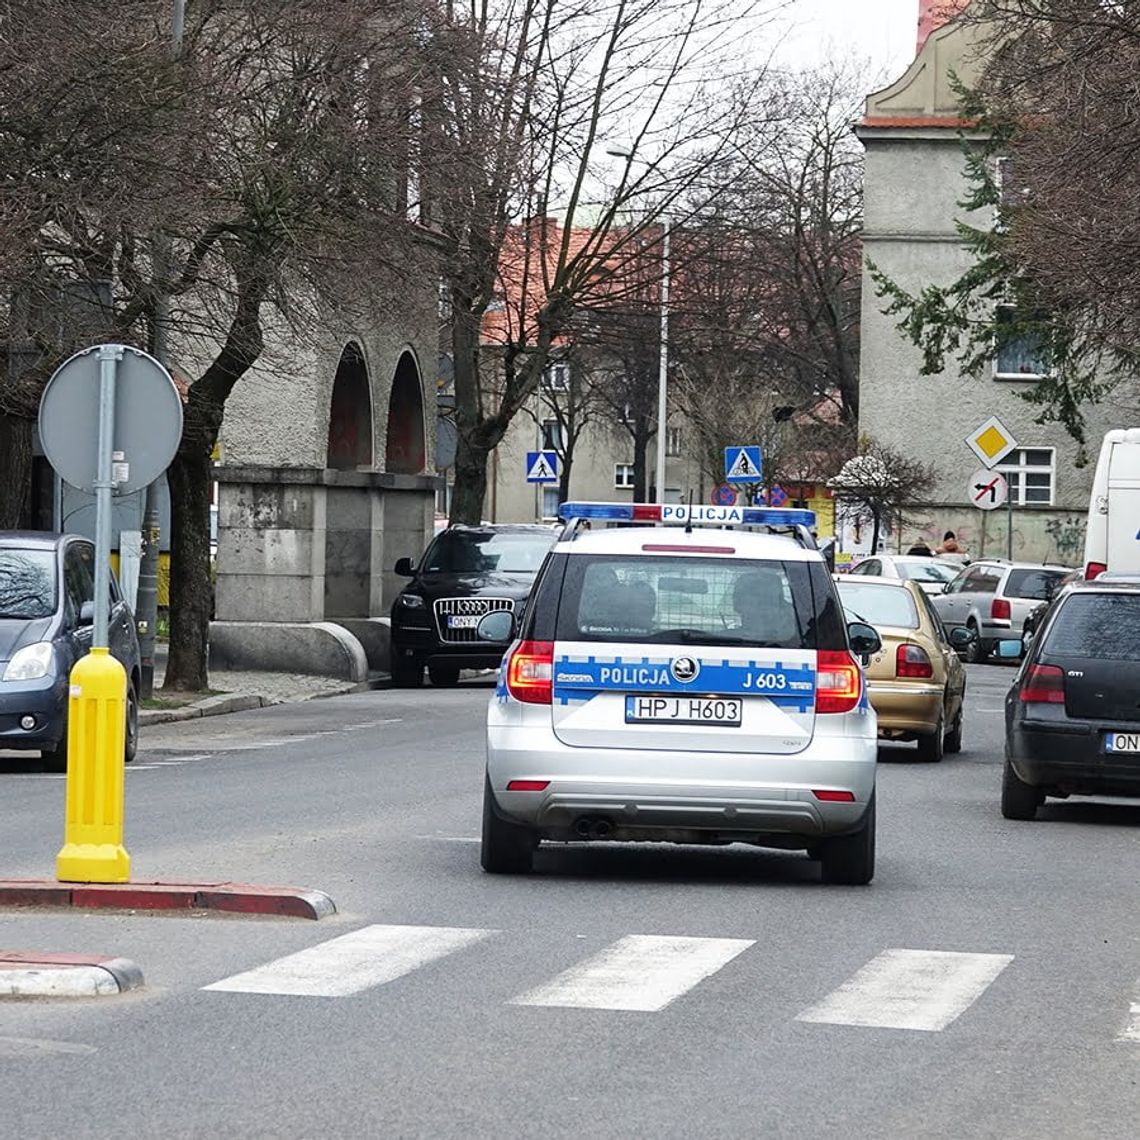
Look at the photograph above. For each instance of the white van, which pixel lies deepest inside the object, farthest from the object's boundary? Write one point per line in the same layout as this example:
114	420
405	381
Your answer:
1112	540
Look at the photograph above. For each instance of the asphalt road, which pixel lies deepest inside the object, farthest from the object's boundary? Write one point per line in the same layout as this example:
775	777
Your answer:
456	1004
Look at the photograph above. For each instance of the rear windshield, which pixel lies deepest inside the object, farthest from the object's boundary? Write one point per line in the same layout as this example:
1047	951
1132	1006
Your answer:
1037	585
487	551
697	601
27	584
878	604
1096	625
932	571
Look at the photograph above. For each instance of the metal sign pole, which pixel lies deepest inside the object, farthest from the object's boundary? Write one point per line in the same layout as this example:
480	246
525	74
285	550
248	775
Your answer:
109	357
1009	525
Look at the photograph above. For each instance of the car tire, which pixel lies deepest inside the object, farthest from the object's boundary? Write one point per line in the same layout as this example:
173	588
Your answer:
407	672
131	729
505	848
444	676
930	746
1019	800
952	742
975	651
849	860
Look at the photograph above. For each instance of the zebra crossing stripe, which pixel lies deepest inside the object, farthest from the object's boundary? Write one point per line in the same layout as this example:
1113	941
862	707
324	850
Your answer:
638	972
909	989
1131	1031
353	962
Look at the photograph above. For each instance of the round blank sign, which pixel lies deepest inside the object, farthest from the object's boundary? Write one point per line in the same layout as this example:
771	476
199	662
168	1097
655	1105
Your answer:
148	420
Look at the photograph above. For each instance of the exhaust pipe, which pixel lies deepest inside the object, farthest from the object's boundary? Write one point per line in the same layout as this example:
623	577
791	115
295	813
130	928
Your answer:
602	829
583	827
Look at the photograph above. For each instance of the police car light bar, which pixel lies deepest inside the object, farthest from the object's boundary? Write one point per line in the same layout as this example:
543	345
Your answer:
677	513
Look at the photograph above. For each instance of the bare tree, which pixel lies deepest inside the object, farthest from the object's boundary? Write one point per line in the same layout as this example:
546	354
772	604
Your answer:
523	134
878	485
272	154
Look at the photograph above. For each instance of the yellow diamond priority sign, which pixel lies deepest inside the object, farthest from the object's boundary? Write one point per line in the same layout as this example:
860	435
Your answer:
991	442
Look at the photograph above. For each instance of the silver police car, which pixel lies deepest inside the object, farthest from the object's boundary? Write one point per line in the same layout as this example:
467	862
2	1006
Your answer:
682	685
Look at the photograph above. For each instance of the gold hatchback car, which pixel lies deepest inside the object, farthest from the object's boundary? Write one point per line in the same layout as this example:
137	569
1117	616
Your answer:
916	682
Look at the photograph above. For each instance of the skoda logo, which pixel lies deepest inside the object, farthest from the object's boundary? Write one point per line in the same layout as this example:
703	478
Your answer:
684	669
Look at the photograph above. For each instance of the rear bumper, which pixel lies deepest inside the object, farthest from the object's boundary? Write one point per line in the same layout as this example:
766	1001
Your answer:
45	700
1071	758
906	708
644	794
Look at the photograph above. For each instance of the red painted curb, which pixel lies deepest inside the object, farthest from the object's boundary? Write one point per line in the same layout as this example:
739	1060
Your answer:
233	898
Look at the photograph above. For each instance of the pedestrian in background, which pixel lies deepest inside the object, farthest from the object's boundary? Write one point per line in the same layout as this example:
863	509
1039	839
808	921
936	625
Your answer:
920	547
949	544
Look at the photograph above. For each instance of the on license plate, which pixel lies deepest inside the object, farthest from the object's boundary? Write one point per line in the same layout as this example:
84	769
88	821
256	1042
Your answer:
1122	742
683	710
462	621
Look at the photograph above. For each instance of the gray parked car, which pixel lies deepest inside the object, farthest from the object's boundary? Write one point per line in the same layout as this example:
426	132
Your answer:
994	597
47	592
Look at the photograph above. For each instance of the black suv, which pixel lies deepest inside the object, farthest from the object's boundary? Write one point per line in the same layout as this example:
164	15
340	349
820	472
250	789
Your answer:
47	605
466	572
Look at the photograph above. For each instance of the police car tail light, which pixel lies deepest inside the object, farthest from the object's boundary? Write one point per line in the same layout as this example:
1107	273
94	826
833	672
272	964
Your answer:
838	682
833	796
1044	685
530	673
912	661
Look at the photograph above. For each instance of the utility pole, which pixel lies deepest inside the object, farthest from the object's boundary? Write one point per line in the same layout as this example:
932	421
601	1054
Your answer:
147	605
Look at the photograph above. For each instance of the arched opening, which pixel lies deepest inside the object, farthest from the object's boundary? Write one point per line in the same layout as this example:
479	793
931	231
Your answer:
350	416
405	453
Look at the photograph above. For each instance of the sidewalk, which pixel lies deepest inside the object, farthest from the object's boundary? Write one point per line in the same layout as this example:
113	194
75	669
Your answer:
238	691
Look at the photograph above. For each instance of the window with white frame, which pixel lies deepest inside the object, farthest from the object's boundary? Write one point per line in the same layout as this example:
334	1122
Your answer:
1019	357
623	475
550	502
553	436
673	441
556	378
1031	474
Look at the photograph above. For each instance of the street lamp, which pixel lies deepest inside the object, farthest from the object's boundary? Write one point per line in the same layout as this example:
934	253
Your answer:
663	364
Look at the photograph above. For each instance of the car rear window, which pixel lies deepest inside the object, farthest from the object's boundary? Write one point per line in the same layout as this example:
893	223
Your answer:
27	584
878	604
1037	585
487	551
932	571
697	601
1096	625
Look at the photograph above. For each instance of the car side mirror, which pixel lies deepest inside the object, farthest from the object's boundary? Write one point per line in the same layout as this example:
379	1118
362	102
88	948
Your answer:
961	636
1010	648
405	567
87	613
865	640
497	627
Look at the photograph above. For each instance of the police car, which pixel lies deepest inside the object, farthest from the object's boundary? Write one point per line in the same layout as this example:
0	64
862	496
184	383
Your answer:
669	682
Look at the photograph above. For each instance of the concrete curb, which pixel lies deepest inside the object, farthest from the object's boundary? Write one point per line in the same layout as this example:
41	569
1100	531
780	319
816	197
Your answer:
208	706
25	974
233	898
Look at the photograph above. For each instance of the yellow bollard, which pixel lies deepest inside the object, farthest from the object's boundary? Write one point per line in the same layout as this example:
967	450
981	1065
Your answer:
93	850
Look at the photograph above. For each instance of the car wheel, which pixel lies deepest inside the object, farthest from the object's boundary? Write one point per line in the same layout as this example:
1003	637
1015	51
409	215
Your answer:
850	859
444	676
407	672
1019	800
975	650
506	848
131	733
953	739
930	746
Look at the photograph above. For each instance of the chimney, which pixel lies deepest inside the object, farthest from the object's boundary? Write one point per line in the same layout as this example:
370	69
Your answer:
933	14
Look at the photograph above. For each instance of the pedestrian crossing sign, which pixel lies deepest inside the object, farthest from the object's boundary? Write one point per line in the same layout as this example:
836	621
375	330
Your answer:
742	465
542	466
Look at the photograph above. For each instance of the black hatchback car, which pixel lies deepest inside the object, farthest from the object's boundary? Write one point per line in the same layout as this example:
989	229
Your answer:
1072	716
465	573
47	606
